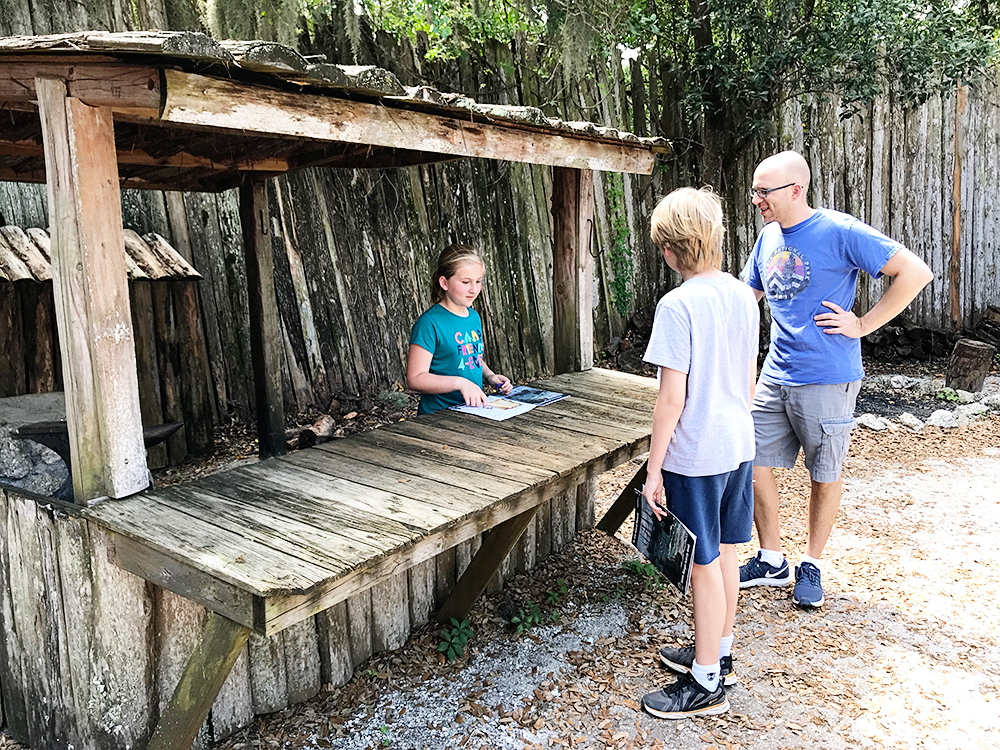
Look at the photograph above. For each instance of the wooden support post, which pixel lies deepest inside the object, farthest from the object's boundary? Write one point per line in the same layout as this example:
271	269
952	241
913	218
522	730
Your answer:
91	296
265	336
206	671
624	505
573	268
496	545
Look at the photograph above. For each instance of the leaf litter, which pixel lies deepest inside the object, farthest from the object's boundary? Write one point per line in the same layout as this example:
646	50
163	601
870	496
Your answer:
904	654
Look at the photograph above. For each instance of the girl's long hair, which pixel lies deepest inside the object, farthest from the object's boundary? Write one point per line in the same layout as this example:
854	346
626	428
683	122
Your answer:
452	258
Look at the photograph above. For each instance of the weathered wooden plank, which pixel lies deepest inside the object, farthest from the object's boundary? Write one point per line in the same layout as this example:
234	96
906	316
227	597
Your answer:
421	591
335	645
586	497
622	508
91	290
444	575
147	366
302	660
390	613
182	578
179	624
496	545
265	336
233	707
359	624
122	88
213	658
572	268
214	103
268	676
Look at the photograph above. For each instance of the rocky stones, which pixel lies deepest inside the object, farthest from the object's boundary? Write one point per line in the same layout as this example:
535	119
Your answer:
908	420
872	422
942	418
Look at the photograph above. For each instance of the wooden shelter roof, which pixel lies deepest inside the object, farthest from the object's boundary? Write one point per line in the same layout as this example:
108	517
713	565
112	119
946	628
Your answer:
25	255
192	113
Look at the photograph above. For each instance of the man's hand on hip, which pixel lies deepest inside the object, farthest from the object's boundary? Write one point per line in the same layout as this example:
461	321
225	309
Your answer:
841	321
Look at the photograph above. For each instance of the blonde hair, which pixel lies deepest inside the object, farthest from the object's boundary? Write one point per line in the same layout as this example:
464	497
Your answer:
452	258
688	222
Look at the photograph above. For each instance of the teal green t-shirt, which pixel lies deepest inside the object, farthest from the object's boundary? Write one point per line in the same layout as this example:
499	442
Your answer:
457	347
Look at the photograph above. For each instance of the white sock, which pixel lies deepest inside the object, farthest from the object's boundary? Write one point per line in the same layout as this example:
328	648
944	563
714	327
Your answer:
706	676
813	560
774	558
726	645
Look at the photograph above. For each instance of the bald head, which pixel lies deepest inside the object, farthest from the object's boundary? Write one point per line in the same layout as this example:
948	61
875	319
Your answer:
788	166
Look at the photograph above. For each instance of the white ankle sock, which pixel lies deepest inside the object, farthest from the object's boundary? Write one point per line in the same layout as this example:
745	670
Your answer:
706	676
726	645
772	557
813	560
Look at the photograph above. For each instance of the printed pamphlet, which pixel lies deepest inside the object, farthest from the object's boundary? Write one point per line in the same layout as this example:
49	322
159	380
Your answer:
667	543
521	399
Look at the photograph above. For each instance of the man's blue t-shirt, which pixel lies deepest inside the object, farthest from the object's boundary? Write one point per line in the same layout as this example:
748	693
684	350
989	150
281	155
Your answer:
457	346
797	269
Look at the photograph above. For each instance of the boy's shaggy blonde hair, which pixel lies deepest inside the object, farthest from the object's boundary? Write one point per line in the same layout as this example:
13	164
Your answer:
688	222
452	258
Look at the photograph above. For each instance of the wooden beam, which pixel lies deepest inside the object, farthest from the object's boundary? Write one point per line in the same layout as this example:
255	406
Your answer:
180	160
131	89
624	505
265	336
496	546
91	297
955	262
227	105
206	671
572	269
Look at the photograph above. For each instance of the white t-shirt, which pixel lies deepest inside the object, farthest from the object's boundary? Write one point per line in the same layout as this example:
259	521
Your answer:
709	329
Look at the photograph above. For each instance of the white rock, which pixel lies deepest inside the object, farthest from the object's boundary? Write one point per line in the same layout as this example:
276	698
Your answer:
965	397
970	410
891	426
899	381
871	422
908	420
943	418
992	401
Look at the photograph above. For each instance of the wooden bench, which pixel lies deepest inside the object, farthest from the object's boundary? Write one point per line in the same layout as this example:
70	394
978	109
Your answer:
267	545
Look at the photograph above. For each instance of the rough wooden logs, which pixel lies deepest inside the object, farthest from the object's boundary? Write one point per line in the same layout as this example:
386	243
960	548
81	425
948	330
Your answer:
970	363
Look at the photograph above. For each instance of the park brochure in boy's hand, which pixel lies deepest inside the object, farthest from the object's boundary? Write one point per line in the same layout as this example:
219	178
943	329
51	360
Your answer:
521	399
667	543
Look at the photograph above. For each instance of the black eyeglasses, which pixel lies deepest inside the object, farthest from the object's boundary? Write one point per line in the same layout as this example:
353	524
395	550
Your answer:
764	192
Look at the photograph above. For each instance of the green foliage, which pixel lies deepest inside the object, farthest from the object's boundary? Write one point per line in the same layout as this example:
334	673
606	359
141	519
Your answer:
453	639
620	254
555	595
526	619
450	27
395	400
385	741
652	579
949	394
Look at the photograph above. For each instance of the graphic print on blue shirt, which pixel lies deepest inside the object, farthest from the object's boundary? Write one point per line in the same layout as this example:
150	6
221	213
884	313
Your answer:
787	273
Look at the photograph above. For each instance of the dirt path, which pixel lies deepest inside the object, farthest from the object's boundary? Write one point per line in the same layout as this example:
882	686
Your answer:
904	654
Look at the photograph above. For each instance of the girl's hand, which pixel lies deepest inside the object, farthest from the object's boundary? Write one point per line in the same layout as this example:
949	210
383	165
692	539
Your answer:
653	492
500	382
472	393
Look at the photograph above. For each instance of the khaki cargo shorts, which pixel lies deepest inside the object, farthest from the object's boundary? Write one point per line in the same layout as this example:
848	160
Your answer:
816	418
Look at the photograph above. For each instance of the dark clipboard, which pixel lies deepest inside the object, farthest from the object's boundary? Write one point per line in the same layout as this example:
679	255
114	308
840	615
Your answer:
667	543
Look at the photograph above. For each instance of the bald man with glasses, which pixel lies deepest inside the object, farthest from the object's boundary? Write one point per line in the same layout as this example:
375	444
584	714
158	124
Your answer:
806	262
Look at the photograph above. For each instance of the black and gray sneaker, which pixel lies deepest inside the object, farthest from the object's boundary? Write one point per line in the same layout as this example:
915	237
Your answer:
686	698
681	659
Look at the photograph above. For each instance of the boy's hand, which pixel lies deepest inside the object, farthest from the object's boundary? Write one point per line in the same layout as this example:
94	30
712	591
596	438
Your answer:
502	383
471	393
653	492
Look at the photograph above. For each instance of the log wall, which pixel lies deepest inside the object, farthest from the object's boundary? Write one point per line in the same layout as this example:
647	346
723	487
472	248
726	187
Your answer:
90	654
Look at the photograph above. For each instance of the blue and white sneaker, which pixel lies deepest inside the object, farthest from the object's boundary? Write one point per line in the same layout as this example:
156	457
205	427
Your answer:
756	572
808	591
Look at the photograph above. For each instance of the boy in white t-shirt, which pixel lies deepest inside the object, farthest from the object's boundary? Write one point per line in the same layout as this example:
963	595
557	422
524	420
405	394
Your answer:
704	341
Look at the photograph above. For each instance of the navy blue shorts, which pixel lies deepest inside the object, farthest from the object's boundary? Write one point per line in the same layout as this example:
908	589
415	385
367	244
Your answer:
718	509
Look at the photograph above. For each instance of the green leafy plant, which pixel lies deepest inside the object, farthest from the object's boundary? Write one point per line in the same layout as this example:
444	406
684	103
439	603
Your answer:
395	400
554	595
454	639
949	394
652	580
385	736
526	619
